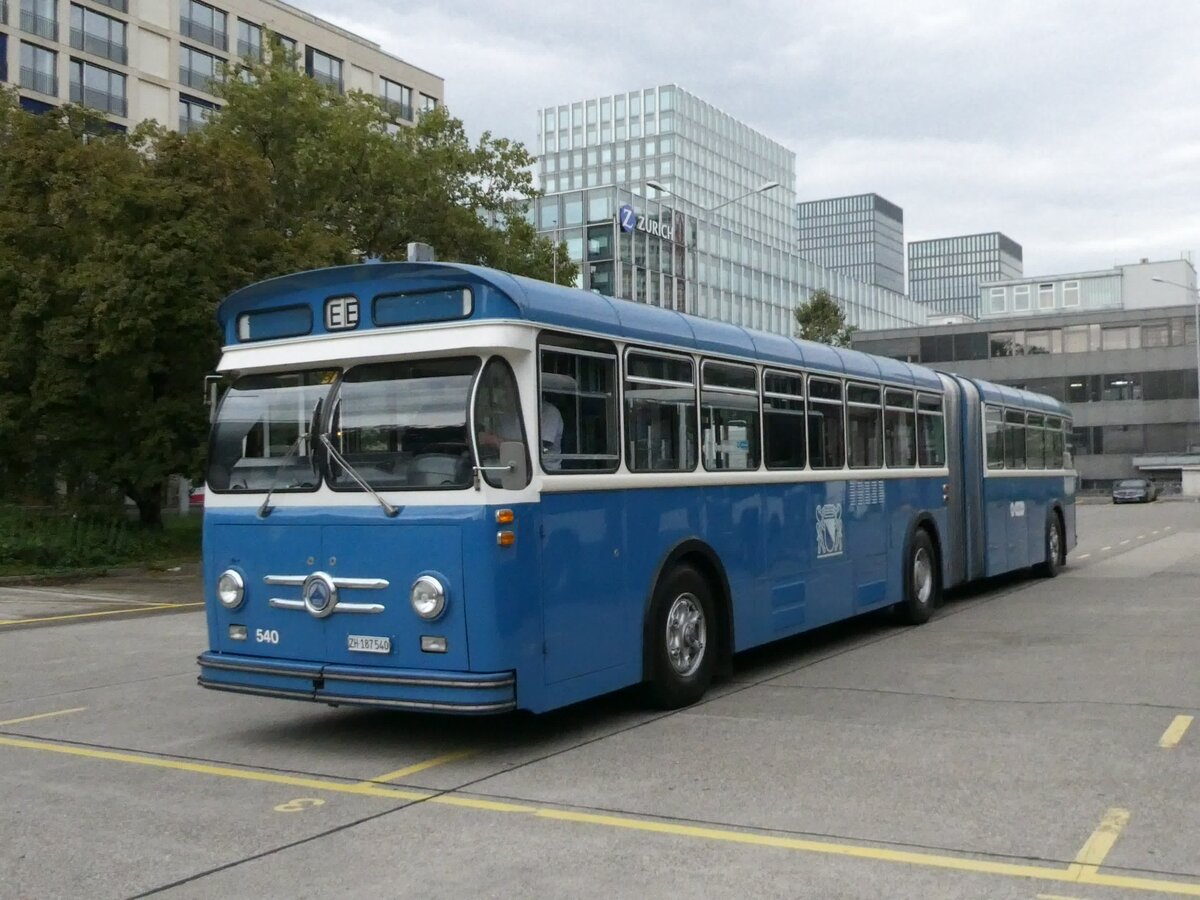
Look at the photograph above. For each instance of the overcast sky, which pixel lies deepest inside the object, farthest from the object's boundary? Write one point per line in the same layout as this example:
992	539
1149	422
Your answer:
1070	125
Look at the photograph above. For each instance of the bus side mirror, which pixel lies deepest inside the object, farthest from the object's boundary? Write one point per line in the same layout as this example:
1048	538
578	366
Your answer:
512	456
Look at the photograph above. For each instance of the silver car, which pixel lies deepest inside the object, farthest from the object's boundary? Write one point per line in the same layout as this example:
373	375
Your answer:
1134	490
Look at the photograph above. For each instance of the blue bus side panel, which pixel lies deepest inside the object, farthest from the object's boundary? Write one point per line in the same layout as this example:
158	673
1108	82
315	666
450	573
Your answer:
1017	510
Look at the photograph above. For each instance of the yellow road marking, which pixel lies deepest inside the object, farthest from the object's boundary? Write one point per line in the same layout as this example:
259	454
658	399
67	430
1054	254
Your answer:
61	712
1170	738
107	612
1105	549
1124	542
1080	872
1091	855
419	767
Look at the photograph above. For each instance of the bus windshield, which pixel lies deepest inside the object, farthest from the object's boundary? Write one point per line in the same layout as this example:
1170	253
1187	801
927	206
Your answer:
403	425
262	438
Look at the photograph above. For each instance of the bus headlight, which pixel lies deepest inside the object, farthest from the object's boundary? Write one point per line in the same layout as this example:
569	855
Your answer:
231	590
428	597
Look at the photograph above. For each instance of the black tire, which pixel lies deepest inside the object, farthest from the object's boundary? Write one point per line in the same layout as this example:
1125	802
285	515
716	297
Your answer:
1053	544
684	639
922	580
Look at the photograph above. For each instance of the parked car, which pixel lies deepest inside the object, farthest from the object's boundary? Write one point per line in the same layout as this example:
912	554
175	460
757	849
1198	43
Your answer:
1134	490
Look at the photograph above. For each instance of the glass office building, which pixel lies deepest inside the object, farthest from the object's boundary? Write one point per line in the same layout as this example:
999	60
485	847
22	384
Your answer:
655	194
944	274
860	236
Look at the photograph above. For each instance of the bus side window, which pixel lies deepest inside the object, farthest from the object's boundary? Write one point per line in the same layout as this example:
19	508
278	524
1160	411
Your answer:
864	422
993	421
931	431
497	418
1014	439
783	420
1035	441
1054	443
900	430
729	416
578	414
826	431
660	413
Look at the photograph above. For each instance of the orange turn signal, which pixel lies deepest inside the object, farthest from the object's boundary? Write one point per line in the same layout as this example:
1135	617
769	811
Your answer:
504	517
505	538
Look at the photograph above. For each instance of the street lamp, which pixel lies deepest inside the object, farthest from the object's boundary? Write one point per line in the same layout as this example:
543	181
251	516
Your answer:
663	189
1196	311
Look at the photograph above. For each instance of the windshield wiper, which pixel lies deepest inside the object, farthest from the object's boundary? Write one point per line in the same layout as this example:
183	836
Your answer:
392	511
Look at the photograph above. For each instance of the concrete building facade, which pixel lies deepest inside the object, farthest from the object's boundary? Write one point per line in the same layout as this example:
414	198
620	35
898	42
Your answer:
1124	361
135	60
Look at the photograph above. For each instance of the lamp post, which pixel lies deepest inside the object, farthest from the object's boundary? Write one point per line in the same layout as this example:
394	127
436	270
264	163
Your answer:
663	189
1196	312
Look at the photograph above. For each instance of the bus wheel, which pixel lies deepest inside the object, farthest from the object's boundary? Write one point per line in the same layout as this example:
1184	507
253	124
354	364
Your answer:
1054	545
922	586
683	631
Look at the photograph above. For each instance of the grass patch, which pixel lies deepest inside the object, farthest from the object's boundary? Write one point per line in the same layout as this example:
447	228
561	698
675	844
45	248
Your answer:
50	542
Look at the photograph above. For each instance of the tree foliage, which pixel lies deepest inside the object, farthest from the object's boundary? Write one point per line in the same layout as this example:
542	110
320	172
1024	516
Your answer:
116	249
822	320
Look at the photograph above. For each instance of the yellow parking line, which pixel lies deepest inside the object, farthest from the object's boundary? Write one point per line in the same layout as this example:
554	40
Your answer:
61	712
1170	738
1080	872
419	767
93	615
1091	855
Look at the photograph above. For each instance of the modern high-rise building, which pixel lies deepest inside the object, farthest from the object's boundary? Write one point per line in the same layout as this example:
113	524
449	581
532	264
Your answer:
135	60
860	236
1118	346
944	274
664	199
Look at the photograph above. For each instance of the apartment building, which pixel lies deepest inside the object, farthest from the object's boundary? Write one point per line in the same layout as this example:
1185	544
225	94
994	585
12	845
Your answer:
135	60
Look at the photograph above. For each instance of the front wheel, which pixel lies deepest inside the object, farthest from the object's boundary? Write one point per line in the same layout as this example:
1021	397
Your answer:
683	635
922	583
1054	548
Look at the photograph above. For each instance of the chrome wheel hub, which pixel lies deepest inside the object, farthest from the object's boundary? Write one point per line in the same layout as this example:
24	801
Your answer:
922	576
687	634
1055	548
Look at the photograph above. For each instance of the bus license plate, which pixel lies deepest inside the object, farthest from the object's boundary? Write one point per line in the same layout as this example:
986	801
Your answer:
367	644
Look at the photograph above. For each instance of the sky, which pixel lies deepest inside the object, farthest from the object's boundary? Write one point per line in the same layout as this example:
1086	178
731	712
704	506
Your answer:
1070	126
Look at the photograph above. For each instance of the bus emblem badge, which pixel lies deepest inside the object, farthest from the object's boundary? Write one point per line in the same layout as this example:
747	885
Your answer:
829	530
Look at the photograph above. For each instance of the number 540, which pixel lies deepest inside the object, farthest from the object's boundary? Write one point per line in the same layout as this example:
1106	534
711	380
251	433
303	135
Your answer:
266	635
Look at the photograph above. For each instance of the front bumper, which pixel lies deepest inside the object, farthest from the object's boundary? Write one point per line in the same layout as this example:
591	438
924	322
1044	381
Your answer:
468	693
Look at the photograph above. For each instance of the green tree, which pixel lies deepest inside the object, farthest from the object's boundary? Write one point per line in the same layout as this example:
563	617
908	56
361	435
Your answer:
822	320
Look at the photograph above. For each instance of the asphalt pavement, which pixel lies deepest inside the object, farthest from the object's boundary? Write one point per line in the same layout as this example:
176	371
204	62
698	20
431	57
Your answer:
1035	739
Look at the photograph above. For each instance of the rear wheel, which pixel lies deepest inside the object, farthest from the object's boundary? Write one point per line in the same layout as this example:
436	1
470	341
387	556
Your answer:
1054	548
683	635
922	581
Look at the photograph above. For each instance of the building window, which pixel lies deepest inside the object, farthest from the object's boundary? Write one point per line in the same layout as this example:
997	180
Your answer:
1075	339
398	99
1045	296
1048	341
1122	337
428	103
198	69
98	88
996	303
118	5
250	41
40	17
1070	293
98	34
1156	334
39	69
288	45
193	113
1021	297
203	23
324	68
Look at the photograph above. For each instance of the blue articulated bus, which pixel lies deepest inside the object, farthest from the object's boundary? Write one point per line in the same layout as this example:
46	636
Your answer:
445	488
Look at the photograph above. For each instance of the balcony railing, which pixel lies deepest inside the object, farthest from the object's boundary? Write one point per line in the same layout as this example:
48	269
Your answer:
89	43
101	100
39	25
201	81
399	110
335	83
205	34
42	82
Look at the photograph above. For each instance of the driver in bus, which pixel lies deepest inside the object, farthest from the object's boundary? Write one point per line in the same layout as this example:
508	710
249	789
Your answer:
507	427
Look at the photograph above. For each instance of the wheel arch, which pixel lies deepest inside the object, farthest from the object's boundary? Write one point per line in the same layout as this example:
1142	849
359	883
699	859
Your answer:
924	521
701	556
